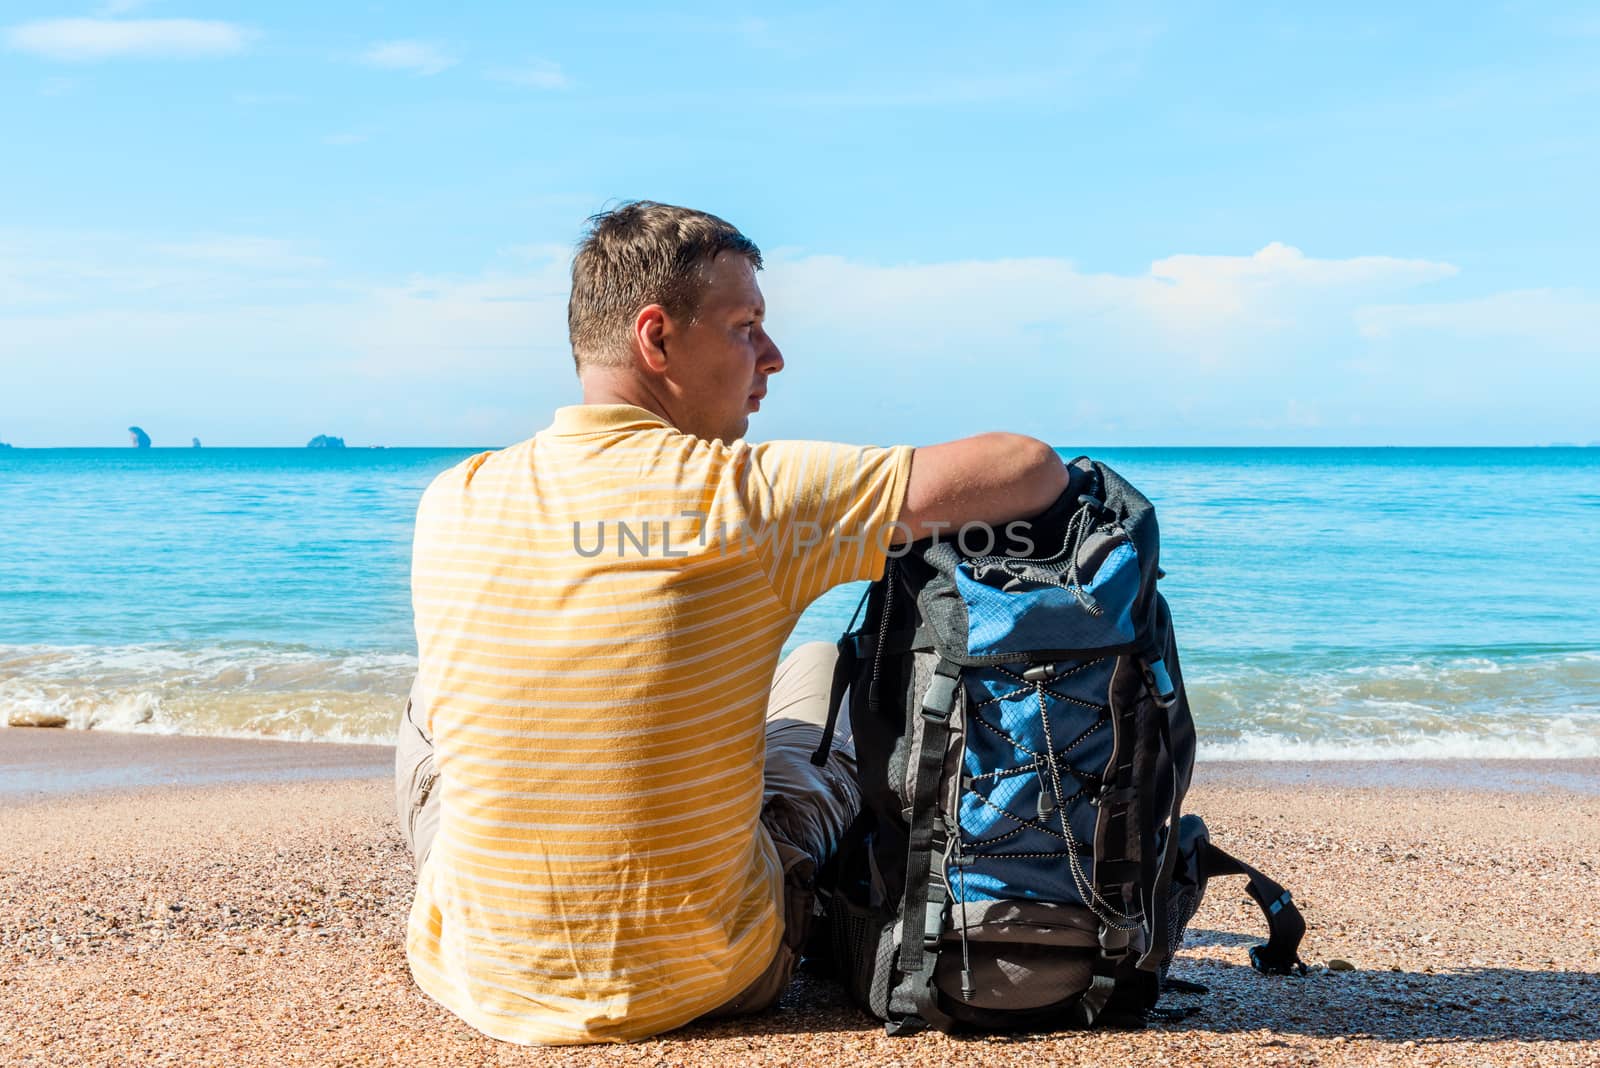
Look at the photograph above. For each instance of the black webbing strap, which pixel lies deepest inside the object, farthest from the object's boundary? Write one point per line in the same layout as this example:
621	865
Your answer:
1281	954
913	1003
1119	853
844	669
1161	891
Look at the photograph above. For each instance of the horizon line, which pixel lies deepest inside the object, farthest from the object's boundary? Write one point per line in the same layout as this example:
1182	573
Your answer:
13	447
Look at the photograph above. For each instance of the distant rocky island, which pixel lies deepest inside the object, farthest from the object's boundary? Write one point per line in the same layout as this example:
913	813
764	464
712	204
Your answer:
5	445
196	442
138	438
325	441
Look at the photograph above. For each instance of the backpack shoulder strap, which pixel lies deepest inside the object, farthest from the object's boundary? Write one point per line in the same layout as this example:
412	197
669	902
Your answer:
913	1002
844	670
1281	953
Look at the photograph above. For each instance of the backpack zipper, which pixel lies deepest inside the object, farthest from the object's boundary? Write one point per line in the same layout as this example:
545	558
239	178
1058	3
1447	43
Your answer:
883	635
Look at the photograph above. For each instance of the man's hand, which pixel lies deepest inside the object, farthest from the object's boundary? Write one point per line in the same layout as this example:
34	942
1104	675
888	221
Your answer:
990	478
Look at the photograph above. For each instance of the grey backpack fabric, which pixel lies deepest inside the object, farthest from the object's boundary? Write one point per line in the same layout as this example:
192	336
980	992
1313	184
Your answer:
1025	744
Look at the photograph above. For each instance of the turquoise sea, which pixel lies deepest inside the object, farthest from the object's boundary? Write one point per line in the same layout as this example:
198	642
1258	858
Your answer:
1331	603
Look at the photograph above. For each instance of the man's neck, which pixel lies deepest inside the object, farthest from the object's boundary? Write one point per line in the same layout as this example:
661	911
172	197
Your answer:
605	385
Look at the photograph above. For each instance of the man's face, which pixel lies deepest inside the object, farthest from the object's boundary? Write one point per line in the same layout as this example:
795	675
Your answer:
729	353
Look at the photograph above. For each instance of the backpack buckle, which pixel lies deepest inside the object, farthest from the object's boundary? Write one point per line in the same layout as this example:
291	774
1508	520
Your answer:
940	700
1159	682
933	914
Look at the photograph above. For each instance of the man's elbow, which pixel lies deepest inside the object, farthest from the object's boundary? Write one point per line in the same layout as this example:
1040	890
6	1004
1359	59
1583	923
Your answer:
1041	476
986	478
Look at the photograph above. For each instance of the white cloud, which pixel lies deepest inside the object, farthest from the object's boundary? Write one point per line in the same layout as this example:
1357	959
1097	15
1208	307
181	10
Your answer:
418	57
344	138
112	293
1275	287
539	75
89	273
88	39
1563	319
497	324
1218	310
1278	264
1194	348
1270	347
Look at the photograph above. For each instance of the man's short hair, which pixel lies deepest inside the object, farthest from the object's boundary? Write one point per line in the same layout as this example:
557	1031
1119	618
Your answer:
635	255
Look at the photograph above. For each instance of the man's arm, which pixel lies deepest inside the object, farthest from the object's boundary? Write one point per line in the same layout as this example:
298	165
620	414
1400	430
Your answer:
989	478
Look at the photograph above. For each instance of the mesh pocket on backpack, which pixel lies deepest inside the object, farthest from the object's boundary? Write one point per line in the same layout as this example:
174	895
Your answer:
1188	885
864	947
1181	907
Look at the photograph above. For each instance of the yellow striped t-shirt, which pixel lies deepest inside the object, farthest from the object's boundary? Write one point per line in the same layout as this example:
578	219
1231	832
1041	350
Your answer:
599	613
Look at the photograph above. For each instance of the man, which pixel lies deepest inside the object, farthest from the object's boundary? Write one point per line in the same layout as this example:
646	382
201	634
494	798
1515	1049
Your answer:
604	779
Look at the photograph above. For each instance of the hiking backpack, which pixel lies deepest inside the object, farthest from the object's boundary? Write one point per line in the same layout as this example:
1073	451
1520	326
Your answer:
1022	861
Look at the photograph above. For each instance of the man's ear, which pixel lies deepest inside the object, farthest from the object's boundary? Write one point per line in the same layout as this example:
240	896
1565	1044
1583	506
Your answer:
651	329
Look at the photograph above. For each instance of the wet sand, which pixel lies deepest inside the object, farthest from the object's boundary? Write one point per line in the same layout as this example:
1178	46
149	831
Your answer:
35	764
201	901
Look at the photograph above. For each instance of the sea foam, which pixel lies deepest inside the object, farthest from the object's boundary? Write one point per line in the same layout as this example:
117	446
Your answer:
1529	706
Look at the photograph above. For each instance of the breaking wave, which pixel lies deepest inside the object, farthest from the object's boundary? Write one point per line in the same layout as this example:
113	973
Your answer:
1542	705
231	691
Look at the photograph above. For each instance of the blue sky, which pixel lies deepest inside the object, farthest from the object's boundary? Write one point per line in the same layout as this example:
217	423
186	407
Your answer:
1105	225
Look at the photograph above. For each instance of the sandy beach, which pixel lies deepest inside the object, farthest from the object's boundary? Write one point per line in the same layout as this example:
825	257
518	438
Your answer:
193	901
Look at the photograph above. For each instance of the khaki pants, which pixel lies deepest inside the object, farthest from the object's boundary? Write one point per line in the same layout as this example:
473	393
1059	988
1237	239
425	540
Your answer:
805	808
